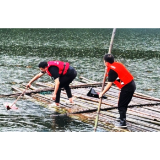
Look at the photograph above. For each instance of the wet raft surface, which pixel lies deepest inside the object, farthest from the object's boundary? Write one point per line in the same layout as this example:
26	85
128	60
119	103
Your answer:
145	117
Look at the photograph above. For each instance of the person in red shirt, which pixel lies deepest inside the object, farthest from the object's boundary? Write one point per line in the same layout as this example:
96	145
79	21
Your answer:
122	78
62	73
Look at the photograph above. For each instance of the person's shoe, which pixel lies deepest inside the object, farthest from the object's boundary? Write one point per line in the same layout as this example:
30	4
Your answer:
121	124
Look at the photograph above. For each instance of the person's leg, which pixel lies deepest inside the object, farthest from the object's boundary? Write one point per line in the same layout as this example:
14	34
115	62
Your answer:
65	82
62	80
124	100
125	97
68	91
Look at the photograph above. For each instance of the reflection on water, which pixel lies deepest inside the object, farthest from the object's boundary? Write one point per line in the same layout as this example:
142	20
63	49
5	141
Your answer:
22	49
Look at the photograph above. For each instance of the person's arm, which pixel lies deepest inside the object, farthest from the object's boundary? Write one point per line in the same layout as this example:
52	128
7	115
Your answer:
56	88
112	76
34	78
55	75
105	89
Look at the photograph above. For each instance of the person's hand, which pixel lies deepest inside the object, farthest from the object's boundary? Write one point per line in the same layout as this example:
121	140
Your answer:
54	96
100	95
28	85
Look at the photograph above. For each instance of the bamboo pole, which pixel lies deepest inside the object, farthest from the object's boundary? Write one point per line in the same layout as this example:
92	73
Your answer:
104	79
111	42
21	90
10	107
146	112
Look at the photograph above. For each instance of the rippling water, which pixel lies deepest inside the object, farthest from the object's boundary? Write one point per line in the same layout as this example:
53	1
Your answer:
22	49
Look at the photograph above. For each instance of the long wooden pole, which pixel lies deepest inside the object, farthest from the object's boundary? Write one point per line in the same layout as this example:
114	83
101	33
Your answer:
10	107
104	79
111	42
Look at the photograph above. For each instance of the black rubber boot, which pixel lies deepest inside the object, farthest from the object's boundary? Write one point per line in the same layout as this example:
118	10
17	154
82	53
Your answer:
122	123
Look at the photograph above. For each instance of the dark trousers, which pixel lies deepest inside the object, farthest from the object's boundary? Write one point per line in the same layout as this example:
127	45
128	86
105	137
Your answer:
64	83
124	100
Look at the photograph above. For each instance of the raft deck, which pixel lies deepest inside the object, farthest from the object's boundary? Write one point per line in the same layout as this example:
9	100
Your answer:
143	115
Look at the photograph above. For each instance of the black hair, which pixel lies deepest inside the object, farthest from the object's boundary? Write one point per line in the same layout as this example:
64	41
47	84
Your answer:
43	64
109	58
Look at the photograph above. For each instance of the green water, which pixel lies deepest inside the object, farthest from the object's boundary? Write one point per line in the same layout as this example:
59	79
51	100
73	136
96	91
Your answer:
22	49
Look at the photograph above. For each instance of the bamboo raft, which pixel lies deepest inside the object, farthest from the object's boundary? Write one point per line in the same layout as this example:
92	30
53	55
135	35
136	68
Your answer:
143	114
